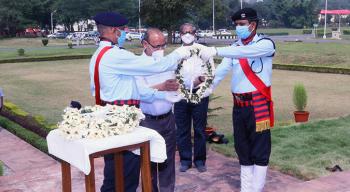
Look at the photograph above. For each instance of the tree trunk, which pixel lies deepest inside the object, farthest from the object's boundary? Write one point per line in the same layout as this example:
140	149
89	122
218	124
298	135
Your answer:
170	36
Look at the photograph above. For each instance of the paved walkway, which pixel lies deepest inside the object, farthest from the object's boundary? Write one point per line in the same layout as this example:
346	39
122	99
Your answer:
30	170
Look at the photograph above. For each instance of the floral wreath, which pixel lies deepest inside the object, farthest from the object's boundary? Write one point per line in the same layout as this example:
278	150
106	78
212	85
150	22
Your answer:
203	87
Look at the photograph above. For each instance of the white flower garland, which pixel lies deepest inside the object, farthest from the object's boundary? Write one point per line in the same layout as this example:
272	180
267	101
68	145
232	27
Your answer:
208	68
95	122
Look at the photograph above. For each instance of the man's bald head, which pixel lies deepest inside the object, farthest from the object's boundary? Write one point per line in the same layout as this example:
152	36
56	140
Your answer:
153	34
153	40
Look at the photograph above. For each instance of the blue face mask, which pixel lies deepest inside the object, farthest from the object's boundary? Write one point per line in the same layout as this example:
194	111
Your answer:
243	32
122	38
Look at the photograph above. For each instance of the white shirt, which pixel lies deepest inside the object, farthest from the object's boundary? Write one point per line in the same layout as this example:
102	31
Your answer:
158	106
259	55
118	68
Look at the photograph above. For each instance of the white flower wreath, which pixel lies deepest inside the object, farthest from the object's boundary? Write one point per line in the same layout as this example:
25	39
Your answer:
95	122
208	72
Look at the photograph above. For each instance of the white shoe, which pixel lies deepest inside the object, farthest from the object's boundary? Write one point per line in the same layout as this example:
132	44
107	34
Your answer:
259	178
247	178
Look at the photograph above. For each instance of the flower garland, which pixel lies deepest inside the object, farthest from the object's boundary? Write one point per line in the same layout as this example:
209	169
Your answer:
95	122
209	76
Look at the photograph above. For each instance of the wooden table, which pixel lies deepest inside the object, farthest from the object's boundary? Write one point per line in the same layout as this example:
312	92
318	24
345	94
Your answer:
118	160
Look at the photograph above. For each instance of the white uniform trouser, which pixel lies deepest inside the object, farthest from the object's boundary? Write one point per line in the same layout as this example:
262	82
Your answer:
253	178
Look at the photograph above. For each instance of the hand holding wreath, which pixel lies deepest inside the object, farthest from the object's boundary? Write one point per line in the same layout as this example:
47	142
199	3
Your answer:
189	70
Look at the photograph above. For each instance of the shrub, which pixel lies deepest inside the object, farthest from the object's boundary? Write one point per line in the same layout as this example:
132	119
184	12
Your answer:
36	124
45	41
307	31
299	97
346	32
70	45
1	169
28	136
276	33
20	51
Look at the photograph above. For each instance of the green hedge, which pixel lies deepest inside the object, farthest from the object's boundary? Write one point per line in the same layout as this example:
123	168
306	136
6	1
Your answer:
36	124
1	169
276	34
346	32
307	31
28	136
308	68
49	58
319	32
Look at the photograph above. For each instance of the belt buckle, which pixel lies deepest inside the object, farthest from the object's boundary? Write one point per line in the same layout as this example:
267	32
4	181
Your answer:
238	98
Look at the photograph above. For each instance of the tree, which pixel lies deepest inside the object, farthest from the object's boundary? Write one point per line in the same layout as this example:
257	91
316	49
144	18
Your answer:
70	11
128	8
166	14
203	14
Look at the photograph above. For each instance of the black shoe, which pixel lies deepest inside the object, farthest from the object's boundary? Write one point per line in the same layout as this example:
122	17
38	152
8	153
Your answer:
334	169
184	168
201	168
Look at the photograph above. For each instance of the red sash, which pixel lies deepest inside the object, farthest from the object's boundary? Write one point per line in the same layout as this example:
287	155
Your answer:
97	75
259	85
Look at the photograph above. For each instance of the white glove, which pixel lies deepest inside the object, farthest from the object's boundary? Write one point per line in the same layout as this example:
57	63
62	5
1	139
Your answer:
207	92
172	96
183	51
207	52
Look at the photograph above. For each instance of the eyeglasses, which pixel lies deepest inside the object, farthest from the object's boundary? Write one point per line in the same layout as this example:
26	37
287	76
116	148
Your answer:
162	46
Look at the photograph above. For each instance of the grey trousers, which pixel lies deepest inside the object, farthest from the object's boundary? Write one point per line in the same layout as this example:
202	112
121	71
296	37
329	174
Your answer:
166	171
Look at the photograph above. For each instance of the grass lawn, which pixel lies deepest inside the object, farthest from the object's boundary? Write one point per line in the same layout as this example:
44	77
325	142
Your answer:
322	54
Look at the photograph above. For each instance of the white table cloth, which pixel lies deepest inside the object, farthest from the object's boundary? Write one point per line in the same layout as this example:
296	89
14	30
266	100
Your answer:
76	152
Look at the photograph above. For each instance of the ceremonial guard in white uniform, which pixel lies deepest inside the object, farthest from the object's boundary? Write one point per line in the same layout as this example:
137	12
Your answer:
250	60
112	72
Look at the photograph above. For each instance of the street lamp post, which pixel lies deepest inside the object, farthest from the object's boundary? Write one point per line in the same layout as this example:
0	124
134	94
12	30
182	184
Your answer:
325	21
52	21
139	16
214	16
241	4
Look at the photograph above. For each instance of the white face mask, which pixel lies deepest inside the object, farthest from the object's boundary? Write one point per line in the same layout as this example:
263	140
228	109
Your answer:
187	38
157	55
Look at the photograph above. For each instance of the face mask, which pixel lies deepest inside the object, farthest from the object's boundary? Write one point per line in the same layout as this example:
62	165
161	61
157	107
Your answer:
121	39
157	55
243	32
187	38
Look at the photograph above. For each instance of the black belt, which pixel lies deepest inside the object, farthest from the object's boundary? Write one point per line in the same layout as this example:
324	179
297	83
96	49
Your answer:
242	96
158	117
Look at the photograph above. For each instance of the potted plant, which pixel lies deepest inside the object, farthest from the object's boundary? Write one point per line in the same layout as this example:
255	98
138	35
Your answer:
300	102
45	41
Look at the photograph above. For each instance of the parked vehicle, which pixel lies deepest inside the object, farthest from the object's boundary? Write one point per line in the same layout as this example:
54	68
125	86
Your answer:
205	33
58	35
133	35
224	32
